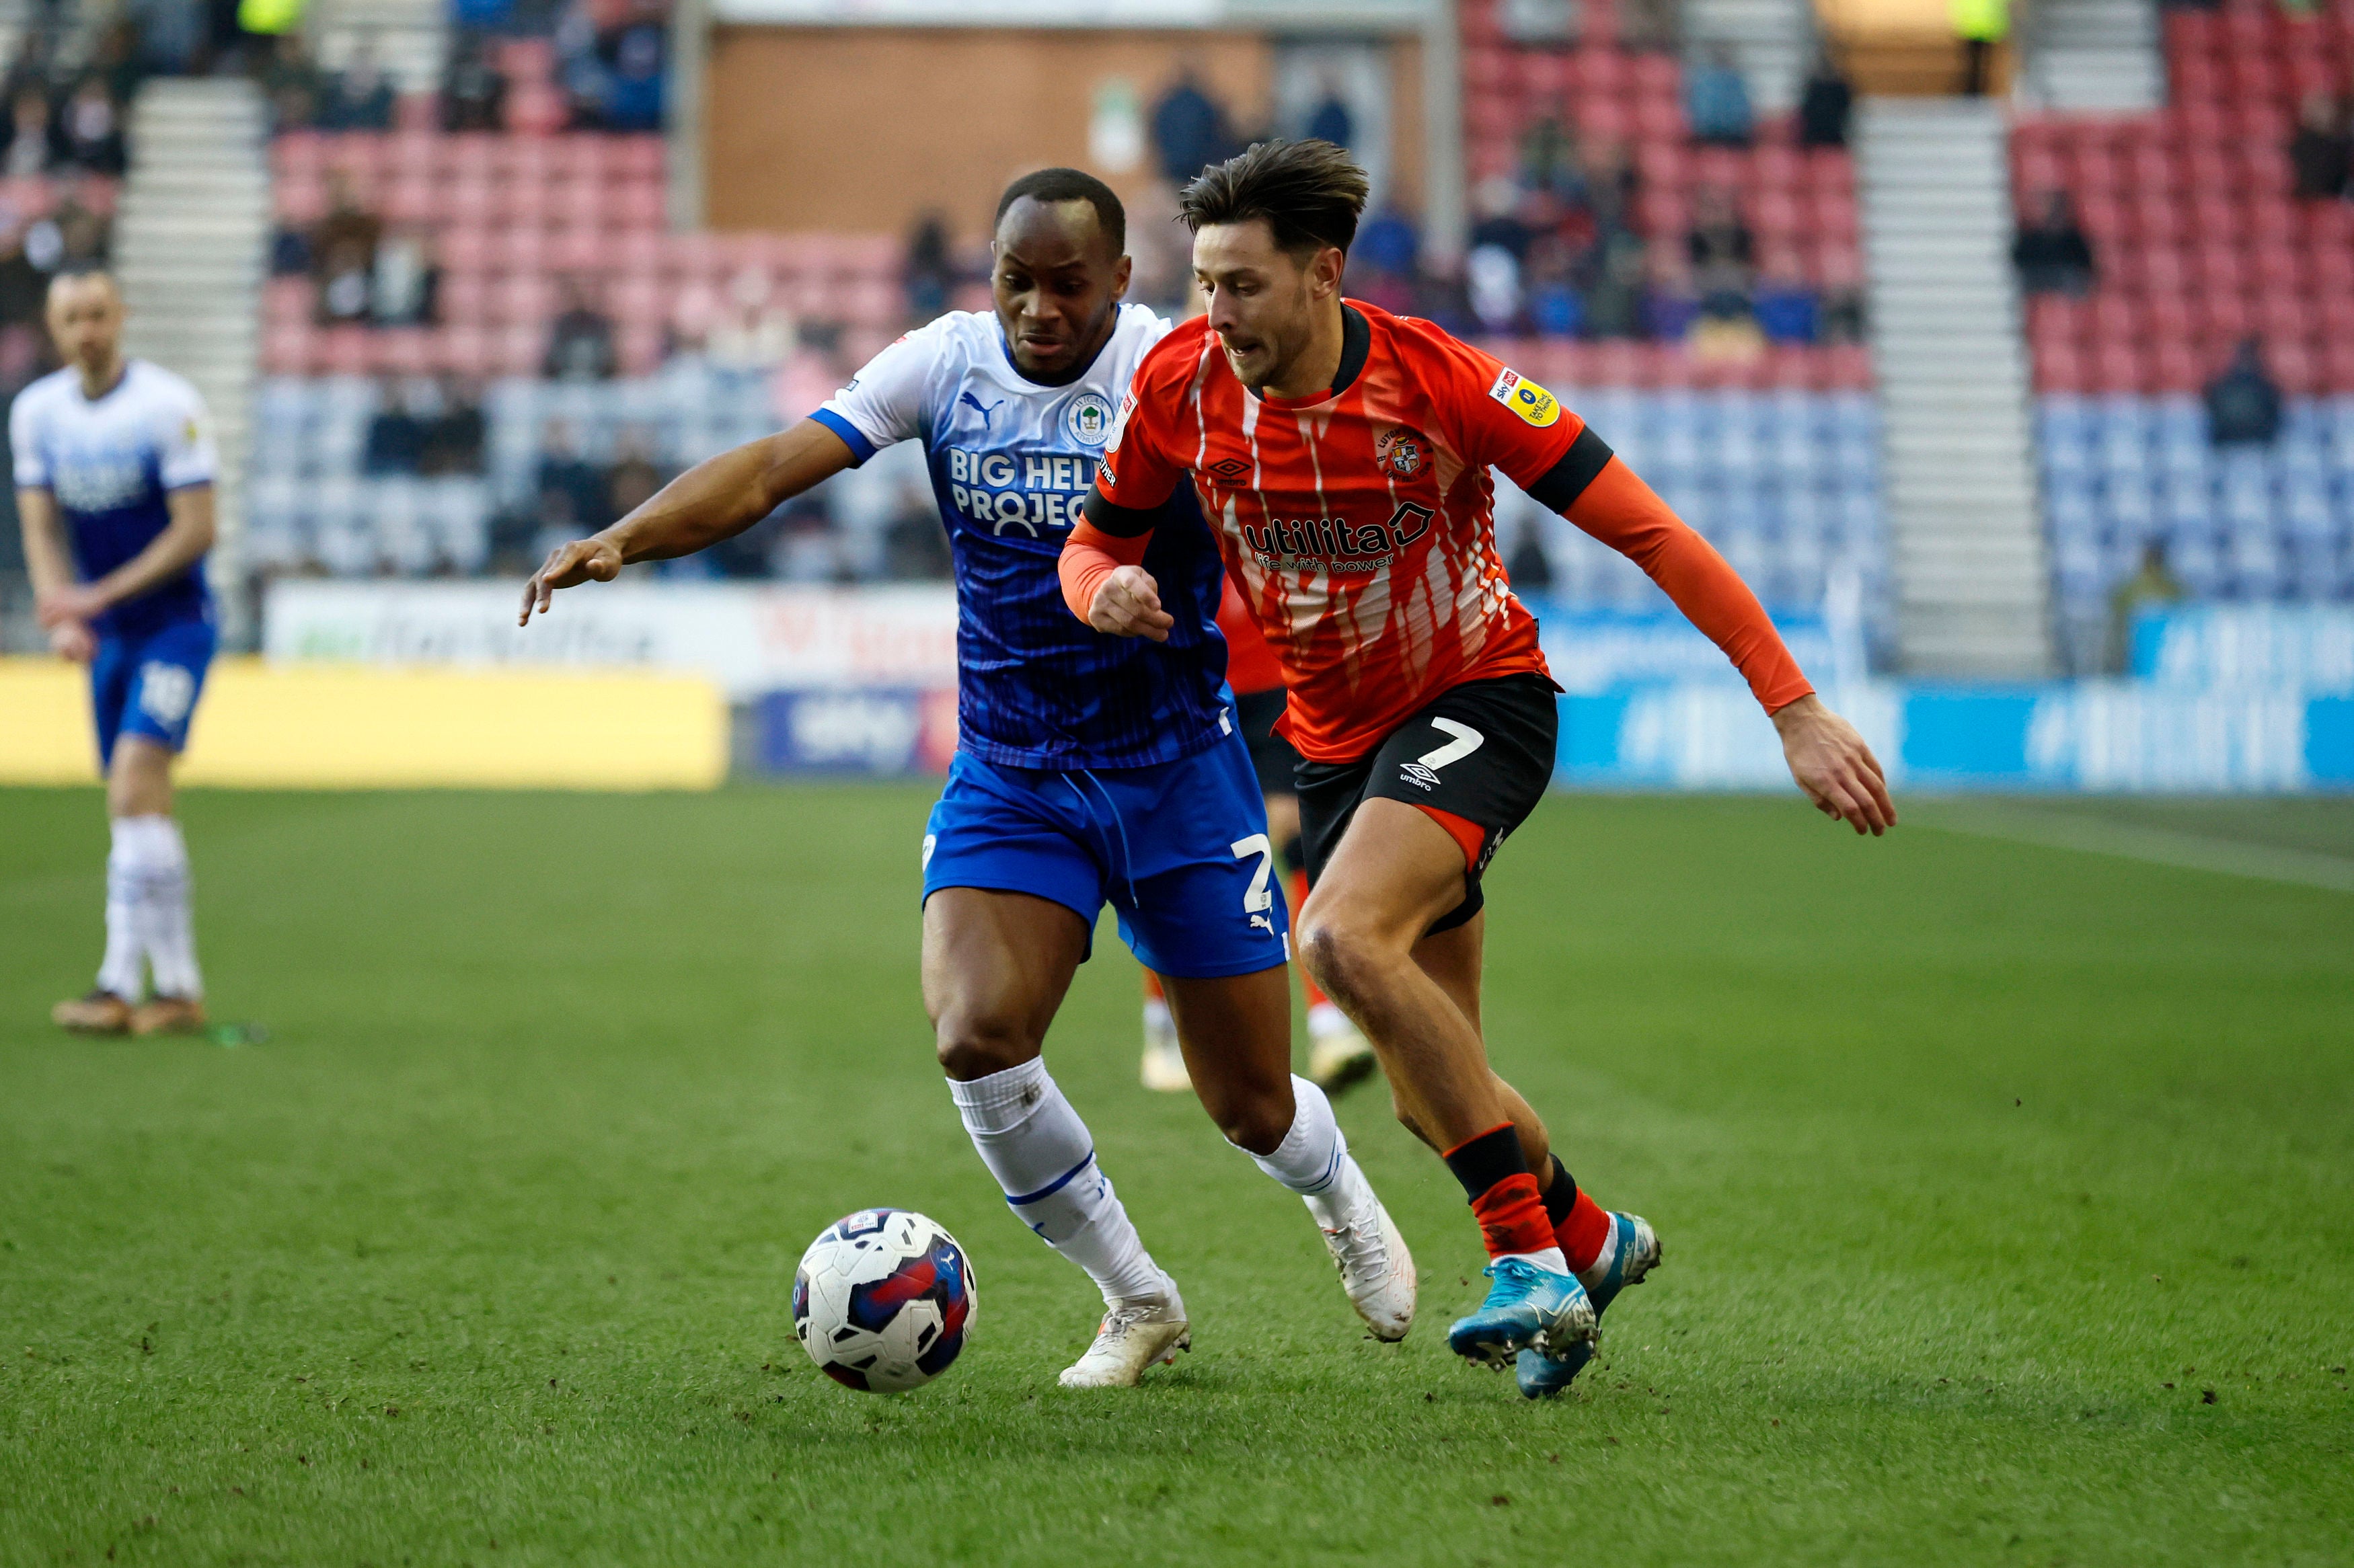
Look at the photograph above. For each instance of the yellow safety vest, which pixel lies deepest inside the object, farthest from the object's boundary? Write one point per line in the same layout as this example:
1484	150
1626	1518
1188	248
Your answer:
1985	19
271	17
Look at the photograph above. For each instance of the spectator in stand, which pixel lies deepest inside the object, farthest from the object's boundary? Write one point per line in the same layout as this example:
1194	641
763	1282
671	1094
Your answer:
294	85
342	254
1724	255
169	34
1716	101
90	130
1161	250
31	145
2051	254
752	331
633	54
1826	105
1613	299
632	480
454	438
1549	154
473	94
2244	404
396	436
1491	276
360	98
1528	568
2321	154
2153	585
570	495
72	239
1386	259
581	341
24	288
115	59
1330	121
1189	129
1650	24
1609	182
930	274
406	279
1498	204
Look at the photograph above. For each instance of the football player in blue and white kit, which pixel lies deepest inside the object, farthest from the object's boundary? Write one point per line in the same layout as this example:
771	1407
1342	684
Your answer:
117	454
1089	769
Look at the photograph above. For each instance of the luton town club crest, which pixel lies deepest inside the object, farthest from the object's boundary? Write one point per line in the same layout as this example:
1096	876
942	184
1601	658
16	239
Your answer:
1400	451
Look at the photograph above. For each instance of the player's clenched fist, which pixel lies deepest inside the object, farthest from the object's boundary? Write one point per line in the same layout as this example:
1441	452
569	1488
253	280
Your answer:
568	565
1129	605
1834	767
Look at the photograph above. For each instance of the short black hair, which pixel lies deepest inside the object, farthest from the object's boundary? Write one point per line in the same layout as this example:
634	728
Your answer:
1310	193
1051	186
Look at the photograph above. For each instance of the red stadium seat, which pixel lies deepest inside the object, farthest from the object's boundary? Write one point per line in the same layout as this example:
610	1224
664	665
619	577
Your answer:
286	349
1835	214
465	247
2120	367
464	298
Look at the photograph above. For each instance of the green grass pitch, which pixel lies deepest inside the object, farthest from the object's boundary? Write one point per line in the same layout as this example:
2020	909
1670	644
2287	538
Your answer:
2008	1197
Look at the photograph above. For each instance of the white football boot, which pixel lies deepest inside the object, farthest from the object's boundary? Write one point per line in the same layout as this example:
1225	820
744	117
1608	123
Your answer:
1164	1062
1133	1336
1376	1270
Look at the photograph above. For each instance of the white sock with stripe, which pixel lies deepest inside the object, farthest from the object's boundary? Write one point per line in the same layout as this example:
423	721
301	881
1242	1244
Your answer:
1314	1160
123	971
1045	1160
166	928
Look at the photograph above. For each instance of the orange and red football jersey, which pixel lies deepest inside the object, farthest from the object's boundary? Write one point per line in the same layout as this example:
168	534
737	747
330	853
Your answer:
1360	524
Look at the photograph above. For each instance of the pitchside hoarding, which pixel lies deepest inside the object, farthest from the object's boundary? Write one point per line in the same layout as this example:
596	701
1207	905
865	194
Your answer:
863	681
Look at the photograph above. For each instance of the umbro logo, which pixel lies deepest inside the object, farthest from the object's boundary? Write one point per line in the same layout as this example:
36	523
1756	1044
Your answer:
1230	468
1415	773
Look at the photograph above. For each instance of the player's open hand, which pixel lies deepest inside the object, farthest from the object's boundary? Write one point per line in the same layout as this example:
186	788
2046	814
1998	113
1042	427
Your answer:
1129	605
1834	767
72	639
593	559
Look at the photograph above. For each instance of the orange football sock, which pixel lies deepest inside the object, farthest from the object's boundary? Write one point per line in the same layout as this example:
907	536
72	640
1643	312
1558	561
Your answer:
1152	992
1316	996
1504	1196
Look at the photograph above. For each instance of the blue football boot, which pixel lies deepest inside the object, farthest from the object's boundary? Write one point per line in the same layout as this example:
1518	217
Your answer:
1634	1253
1526	1305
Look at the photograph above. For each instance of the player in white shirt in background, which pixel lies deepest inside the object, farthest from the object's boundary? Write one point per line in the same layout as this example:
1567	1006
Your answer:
114	472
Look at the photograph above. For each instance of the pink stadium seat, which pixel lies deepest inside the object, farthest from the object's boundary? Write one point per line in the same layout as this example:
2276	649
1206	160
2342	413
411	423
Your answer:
1724	167
576	251
638	157
2118	367
465	248
407	200
519	249
465	297
518	350
2174	366
297	152
342	351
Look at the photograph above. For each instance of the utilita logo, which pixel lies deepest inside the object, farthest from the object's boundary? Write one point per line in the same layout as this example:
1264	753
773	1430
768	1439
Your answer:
1335	543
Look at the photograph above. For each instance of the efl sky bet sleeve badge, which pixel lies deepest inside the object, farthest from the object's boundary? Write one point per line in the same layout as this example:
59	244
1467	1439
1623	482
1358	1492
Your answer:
1526	398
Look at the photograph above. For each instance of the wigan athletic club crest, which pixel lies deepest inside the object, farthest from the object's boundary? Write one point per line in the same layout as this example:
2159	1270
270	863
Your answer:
1401	451
1089	418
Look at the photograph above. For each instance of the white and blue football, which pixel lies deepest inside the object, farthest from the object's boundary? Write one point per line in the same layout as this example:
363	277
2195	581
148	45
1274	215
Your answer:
883	1300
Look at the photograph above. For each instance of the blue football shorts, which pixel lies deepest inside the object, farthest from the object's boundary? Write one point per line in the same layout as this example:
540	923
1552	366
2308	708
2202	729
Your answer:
148	685
1179	851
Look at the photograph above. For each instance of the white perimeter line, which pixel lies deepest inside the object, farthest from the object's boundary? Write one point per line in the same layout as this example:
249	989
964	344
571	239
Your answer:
2159	846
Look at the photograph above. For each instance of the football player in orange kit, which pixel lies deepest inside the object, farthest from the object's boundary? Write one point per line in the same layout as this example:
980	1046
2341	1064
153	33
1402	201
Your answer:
1342	455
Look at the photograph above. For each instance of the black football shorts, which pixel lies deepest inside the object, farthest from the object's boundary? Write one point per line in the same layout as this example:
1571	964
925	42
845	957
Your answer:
1271	756
1483	751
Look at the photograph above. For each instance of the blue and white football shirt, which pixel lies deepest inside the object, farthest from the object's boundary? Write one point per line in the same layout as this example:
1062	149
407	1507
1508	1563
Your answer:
1011	462
110	461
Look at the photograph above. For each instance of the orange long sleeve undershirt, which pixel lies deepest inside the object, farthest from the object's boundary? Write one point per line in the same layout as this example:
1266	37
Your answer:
1625	513
1088	556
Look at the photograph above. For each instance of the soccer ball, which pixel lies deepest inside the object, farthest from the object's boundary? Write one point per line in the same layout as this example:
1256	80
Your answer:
883	1300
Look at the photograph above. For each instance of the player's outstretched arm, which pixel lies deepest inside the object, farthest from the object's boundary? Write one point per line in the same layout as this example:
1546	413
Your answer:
1834	767
716	499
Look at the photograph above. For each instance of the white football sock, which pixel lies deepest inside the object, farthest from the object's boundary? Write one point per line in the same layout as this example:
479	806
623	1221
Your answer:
123	971
166	930
1314	1160
1044	1161
1549	1258
1157	1019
